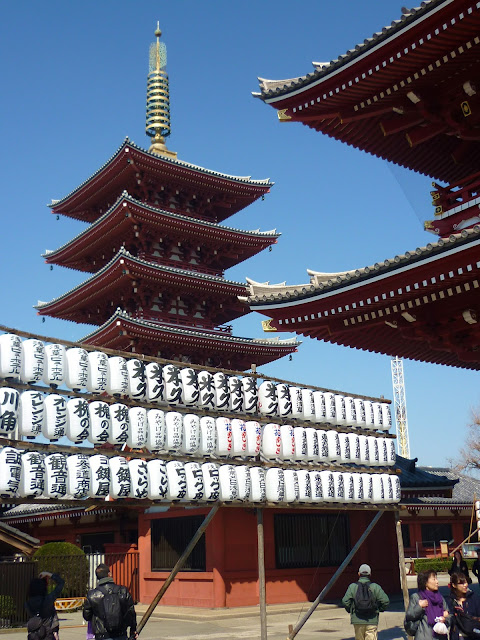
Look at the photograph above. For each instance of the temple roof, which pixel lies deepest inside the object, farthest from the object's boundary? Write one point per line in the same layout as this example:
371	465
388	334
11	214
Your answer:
421	305
414	477
407	94
221	194
92	248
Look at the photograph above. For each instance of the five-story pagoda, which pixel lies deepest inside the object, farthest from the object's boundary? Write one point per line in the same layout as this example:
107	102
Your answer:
157	253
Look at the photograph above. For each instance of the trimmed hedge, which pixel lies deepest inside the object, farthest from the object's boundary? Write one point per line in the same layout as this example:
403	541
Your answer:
68	561
440	565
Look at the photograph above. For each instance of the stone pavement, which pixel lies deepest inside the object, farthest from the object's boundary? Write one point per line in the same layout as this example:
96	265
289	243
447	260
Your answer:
176	623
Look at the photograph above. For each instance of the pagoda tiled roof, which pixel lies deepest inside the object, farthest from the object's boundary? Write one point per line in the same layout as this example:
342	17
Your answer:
204	227
414	477
271	89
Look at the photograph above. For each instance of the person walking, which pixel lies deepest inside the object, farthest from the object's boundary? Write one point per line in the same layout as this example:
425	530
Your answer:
40	606
426	608
364	600
461	598
110	609
459	566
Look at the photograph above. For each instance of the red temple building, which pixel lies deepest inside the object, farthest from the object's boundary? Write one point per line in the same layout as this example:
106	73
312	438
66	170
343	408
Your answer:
157	253
408	95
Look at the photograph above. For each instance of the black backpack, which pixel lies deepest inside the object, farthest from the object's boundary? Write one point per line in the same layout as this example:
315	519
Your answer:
37	628
365	601
468	626
114	617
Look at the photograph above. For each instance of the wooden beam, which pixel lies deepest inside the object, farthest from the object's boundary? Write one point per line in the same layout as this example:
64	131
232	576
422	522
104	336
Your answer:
261	575
401	560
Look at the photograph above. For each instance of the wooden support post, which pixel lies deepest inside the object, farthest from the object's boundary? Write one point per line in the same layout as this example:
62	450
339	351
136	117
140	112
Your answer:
335	577
261	575
179	564
401	560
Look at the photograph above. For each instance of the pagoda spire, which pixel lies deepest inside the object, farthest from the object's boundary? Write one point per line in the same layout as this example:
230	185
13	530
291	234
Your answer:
158	98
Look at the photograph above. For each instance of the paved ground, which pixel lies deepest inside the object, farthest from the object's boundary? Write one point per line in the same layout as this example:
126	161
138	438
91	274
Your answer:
174	623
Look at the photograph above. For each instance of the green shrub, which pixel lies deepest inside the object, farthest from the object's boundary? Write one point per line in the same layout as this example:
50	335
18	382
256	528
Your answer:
69	562
7	606
440	565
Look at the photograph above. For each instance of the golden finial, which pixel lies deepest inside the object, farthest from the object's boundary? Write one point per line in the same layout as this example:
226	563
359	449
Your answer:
158	98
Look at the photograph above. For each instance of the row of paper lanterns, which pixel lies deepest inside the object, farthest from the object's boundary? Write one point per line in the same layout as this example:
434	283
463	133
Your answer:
53	416
32	362
79	476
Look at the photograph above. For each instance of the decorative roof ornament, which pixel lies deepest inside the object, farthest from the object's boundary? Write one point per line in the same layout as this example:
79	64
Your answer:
158	98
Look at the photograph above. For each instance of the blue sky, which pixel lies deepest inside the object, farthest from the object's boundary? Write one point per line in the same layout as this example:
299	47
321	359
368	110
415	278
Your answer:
74	85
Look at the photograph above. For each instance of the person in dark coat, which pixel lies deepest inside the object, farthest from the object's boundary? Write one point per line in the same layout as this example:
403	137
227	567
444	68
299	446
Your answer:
40	602
459	566
461	596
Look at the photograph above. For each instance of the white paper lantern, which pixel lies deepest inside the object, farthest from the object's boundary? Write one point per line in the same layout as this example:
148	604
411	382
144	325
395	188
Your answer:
364	450
359	412
304	486
272	441
340	411
228	483
388	488
291	485
328	486
382	452
176	481
350	412
31	413
78	476
322	445
155	430
76	368
339	486
358	495
284	400
54	365
334	451
55	422
211	481
97	371
208	436
55	475
349	487
367	487
138	478
287	435
155	388
100	426
250	395
300	436
120	483
319	404
10	469
190	392
222	395
10	356
157	479
137	379
119	424
172	384
308	405
316	485
244	482
312	444
267	398
297	402
99	476
194	479
191	433
391	455
345	455
77	428
378	489
274	485
173	431
9	405
206	390
330	407
397	492
224	440
32	474
33	359
137	434
117	376
254	438
239	438
355	452
386	416
235	390
373	451
377	415
369	419
257	479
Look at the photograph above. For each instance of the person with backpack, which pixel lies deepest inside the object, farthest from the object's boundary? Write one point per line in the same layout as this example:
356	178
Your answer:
427	614
43	621
110	609
364	600
464	607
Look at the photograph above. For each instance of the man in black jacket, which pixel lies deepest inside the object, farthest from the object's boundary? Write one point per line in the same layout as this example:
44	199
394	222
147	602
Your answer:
110	608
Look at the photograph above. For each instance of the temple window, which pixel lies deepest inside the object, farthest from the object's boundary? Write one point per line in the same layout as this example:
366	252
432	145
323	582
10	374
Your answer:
170	536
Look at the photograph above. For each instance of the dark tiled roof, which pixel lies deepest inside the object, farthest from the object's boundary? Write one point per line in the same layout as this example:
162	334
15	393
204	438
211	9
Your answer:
413	477
465	488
